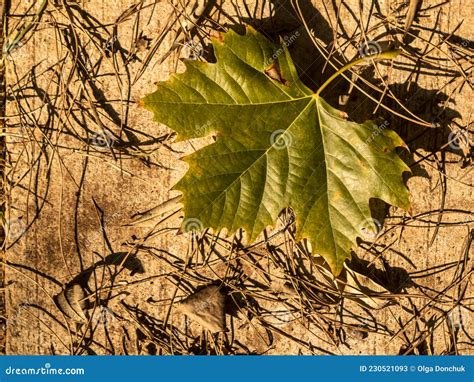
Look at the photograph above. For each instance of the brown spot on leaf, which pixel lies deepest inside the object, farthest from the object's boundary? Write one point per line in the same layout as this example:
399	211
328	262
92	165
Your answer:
217	36
273	71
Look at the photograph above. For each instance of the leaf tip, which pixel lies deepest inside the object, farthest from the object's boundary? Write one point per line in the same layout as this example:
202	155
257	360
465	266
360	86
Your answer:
336	266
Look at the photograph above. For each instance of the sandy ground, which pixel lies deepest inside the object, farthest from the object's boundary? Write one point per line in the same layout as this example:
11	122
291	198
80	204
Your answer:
71	196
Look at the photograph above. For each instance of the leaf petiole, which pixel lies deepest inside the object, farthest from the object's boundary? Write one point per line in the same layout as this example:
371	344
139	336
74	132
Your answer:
390	55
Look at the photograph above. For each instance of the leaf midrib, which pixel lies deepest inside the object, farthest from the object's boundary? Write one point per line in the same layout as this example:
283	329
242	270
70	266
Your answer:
318	106
235	104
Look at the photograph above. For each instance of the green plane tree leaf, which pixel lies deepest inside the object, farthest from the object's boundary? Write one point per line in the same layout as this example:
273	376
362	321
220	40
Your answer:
278	145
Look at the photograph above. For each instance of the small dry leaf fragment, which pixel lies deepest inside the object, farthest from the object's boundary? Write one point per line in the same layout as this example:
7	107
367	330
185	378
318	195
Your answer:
142	43
356	333
413	8
206	306
289	290
363	286
170	205
69	301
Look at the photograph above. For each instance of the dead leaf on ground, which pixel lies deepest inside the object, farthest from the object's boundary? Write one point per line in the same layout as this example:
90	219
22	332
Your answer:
360	288
361	285
206	306
70	302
